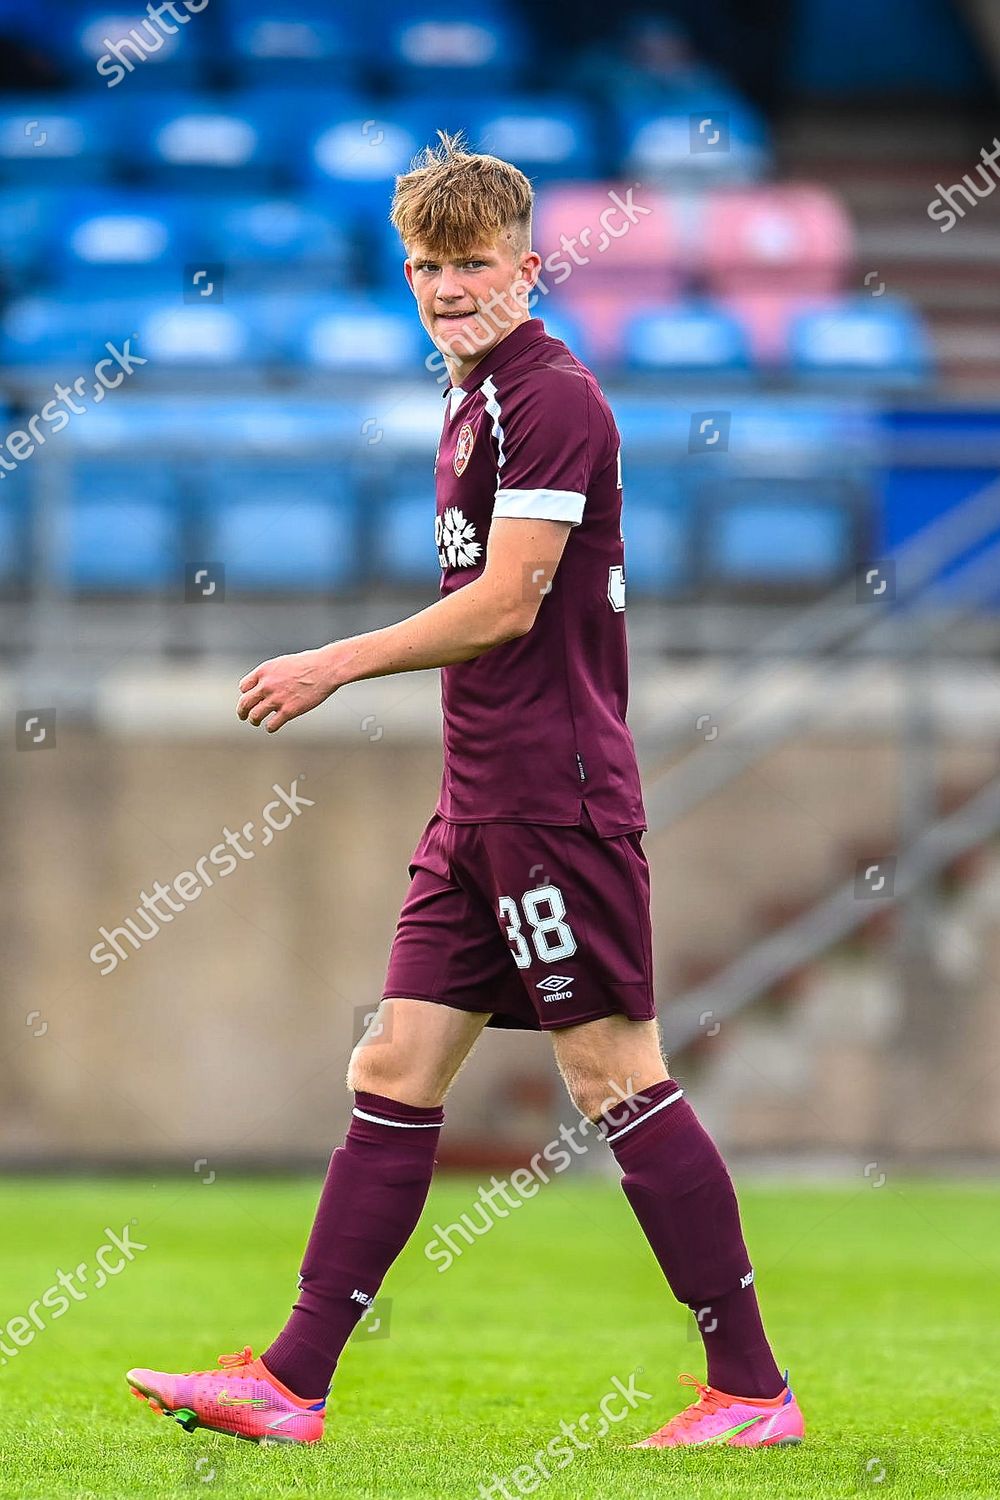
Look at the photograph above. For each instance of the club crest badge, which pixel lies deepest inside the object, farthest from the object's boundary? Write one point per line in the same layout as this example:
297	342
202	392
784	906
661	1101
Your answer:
463	448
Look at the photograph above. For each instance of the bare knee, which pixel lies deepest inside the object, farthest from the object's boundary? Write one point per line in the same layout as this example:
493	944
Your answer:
384	1067
411	1052
604	1062
590	1092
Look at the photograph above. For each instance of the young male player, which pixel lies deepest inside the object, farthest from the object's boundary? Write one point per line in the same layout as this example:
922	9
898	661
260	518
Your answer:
539	776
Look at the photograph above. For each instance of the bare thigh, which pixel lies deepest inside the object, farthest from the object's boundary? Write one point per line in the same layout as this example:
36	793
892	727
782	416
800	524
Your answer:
412	1051
608	1059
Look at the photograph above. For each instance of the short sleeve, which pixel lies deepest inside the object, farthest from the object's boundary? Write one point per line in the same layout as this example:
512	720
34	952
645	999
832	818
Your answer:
541	425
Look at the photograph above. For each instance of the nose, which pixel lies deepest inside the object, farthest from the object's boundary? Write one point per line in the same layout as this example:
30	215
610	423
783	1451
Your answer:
449	288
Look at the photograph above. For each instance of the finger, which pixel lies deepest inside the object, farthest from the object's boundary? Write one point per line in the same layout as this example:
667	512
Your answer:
249	681
275	723
249	700
259	714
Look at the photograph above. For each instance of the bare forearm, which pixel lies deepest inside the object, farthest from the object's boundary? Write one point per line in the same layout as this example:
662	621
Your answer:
457	628
498	606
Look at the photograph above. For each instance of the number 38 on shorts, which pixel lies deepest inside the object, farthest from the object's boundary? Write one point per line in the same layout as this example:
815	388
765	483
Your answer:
539	915
579	934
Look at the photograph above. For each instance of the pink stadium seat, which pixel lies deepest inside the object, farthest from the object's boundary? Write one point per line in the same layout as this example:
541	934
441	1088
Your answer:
646	254
797	237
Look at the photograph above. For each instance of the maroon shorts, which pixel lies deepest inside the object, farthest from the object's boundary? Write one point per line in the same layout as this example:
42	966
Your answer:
539	926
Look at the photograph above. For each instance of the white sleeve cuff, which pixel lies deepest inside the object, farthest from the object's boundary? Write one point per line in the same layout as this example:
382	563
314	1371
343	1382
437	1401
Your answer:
541	505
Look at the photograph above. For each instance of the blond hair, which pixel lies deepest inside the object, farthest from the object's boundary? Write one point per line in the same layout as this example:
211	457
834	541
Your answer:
453	199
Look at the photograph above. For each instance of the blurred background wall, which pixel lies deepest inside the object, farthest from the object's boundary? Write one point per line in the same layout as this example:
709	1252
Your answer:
771	230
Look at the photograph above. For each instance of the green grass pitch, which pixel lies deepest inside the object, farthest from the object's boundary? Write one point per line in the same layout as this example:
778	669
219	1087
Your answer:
883	1301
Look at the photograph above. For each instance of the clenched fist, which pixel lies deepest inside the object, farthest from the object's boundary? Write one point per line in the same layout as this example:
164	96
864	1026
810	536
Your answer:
286	687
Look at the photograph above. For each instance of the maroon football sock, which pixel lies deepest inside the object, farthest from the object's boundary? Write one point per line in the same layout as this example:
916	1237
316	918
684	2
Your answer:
683	1197
374	1193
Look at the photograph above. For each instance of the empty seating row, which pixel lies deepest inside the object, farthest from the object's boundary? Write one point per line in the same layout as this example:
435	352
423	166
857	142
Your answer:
592	237
271	138
303	528
111	45
808	337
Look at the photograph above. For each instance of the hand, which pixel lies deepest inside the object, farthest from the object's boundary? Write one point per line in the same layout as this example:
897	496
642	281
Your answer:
286	687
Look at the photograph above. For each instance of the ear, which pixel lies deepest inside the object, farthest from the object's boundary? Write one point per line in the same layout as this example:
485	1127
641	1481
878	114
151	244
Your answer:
529	267
408	273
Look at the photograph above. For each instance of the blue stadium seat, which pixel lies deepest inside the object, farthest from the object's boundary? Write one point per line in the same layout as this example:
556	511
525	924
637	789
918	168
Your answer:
404	547
384	338
215	335
35	24
790	534
357	156
14	495
883	340
724	142
285	529
121	531
564	326
431	46
124	242
686	338
48	141
842	49
296	115
651	429
121	44
204	143
28	229
658	531
267	242
549	137
190	423
62	328
302	42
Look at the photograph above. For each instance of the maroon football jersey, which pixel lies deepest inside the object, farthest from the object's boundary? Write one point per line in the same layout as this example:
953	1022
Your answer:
535	728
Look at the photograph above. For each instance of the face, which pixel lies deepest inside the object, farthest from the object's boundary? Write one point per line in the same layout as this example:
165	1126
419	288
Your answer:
469	304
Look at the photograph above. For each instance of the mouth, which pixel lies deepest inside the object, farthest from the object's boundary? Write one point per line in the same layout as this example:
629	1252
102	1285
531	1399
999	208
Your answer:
455	317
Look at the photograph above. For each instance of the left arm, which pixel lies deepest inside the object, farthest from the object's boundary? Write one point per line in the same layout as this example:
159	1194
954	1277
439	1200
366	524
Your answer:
501	604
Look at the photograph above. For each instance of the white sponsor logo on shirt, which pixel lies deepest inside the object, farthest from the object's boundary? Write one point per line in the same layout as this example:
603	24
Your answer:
456	539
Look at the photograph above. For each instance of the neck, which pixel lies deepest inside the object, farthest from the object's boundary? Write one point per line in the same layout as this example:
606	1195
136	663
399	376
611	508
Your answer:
460	369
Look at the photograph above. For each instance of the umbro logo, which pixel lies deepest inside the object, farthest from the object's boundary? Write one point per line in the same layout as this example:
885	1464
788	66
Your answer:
556	987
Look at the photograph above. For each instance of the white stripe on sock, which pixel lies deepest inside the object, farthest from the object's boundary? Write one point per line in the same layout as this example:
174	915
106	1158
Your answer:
671	1099
400	1124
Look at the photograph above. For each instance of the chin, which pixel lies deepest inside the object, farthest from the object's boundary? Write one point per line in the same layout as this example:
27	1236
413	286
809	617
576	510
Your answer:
467	345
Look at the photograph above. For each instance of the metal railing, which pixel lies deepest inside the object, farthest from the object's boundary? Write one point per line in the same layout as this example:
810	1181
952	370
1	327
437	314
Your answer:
779	954
837	622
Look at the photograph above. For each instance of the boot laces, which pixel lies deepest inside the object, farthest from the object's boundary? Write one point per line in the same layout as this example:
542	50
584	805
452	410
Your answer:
708	1401
229	1361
